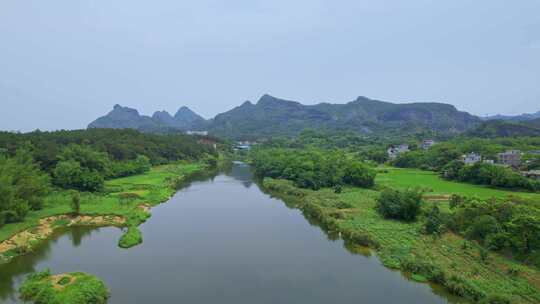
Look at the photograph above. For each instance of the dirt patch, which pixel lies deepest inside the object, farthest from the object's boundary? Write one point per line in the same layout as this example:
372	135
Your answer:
24	239
57	279
145	207
437	198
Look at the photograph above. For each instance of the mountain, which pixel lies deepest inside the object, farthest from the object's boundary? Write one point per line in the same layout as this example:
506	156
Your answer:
186	118
124	118
507	128
128	118
522	117
272	116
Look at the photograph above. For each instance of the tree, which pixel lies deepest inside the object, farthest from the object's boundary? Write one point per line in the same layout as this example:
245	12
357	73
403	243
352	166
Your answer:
76	202
526	232
400	204
358	174
70	175
22	186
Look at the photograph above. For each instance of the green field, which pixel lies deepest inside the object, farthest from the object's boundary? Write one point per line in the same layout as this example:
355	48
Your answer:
150	188
402	178
353	211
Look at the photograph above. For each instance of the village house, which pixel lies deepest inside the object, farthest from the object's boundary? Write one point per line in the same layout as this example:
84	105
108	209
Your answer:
510	158
427	144
200	133
535	174
244	145
394	152
471	158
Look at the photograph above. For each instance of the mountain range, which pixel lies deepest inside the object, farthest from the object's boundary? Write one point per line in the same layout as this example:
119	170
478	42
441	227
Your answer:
522	117
127	118
272	116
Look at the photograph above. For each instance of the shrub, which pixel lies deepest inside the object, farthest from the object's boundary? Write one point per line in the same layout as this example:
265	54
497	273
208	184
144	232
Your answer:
433	221
75	202
131	238
423	268
400	204
460	287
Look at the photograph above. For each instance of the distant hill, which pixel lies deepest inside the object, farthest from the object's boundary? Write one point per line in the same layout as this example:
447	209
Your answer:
506	128
272	116
522	117
128	118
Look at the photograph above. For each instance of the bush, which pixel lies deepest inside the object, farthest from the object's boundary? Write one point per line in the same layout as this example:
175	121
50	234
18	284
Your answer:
358	174
400	204
460	287
131	238
76	202
423	268
433	222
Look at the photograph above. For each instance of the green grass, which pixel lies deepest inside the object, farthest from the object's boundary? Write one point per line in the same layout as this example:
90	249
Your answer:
152	187
68	288
398	243
402	178
131	238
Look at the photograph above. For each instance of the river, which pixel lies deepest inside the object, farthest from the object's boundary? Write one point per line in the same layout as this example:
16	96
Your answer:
221	240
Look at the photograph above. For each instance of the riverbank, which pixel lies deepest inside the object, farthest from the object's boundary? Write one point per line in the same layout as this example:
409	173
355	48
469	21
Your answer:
449	260
125	202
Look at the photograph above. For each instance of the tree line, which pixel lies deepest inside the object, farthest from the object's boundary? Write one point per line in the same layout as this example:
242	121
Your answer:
33	164
312	168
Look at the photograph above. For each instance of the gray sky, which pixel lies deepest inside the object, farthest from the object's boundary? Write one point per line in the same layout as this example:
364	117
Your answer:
63	63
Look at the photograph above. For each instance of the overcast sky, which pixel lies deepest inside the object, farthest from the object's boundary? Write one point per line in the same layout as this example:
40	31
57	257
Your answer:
63	63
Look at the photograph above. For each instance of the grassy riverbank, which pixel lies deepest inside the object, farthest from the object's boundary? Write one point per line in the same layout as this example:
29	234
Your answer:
449	260
403	178
129	198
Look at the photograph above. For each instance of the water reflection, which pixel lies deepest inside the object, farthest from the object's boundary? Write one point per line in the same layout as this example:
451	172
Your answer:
12	272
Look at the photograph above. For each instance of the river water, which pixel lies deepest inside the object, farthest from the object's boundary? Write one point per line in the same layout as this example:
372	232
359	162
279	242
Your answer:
221	240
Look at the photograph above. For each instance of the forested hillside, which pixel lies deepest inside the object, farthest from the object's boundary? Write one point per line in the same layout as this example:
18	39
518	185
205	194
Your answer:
272	116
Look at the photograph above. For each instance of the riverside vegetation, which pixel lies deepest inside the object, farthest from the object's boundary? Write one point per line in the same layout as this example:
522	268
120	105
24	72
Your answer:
95	177
484	248
66	288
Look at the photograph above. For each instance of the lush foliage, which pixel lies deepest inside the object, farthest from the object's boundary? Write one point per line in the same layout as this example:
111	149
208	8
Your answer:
488	174
312	168
444	152
400	204
22	186
119	144
448	259
76	288
83	159
498	224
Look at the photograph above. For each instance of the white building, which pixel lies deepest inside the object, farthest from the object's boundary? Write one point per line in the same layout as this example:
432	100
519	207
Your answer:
394	152
471	158
427	144
201	133
510	158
